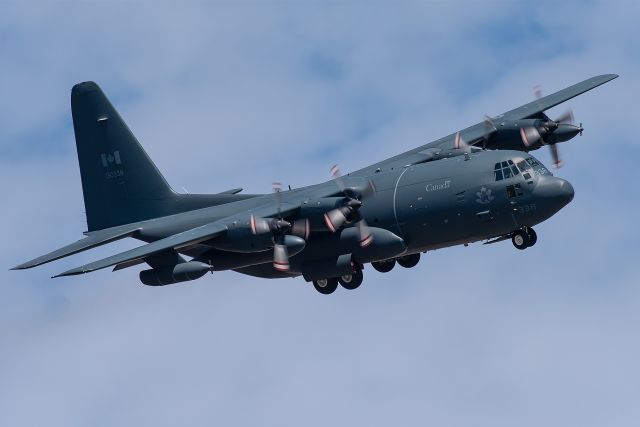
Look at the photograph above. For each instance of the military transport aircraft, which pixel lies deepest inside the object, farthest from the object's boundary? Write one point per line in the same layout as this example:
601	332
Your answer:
478	184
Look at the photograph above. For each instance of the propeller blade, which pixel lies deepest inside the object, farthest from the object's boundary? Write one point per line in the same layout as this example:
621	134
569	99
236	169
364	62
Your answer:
556	156
566	117
529	135
277	188
537	91
259	225
280	257
461	144
366	238
335	173
336	218
301	228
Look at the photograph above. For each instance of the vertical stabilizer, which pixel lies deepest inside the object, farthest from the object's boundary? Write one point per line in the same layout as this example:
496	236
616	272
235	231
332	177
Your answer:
119	181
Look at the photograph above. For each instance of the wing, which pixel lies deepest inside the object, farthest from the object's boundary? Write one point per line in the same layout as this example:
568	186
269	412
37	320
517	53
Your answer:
478	131
533	109
93	240
178	241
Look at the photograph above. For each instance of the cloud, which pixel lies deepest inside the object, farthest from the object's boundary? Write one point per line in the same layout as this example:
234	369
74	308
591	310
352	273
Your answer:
485	334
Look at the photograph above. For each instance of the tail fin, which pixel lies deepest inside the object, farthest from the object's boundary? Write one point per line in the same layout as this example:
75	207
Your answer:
120	183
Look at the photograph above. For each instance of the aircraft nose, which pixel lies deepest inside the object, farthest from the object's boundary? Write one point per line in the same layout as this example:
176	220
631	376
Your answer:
556	190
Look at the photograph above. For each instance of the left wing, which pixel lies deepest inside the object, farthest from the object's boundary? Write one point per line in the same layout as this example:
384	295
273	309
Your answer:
178	241
478	131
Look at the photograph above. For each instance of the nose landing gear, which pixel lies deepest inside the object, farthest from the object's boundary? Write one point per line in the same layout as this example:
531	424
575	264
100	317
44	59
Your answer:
524	238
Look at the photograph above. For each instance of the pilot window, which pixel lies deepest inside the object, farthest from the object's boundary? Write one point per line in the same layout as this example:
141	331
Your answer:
524	167
505	170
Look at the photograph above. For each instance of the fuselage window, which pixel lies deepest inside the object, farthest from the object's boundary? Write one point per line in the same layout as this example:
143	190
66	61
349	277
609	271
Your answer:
514	191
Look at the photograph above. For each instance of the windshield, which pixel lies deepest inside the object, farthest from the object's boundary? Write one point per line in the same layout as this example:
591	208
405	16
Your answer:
513	167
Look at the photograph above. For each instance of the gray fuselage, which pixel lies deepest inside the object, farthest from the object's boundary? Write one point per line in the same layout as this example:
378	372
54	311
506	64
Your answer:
431	205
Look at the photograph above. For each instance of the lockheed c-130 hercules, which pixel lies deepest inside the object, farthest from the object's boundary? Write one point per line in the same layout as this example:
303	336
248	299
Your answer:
478	184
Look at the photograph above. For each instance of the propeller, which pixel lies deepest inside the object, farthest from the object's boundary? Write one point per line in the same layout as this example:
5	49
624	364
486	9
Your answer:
460	144
489	127
278	227
560	129
349	211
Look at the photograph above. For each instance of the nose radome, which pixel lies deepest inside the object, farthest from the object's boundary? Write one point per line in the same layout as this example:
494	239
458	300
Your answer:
566	189
554	189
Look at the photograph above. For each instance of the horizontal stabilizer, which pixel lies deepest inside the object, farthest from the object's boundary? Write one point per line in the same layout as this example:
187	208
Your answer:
93	240
232	191
176	241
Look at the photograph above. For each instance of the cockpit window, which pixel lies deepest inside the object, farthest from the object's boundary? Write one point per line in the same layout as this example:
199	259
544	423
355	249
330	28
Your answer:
524	166
533	162
505	170
511	168
538	168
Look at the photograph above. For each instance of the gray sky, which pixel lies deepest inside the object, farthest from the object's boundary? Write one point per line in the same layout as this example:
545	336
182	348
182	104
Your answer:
472	336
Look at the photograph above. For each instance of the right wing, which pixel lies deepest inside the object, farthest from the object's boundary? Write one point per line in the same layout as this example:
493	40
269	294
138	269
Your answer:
478	131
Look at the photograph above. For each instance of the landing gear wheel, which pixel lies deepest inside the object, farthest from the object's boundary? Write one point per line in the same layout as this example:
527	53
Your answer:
533	237
326	286
520	239
351	281
409	261
384	266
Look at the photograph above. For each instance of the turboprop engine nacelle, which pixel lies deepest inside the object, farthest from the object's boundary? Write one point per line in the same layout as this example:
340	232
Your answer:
241	238
315	209
516	135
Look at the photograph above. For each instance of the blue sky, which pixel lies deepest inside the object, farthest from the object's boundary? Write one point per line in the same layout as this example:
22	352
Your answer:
483	335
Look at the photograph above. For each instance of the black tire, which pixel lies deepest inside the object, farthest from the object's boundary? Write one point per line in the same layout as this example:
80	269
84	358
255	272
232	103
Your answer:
326	286
384	266
409	261
533	237
351	281
520	239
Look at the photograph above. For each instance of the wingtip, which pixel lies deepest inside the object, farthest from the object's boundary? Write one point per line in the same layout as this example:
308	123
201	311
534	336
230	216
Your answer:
72	272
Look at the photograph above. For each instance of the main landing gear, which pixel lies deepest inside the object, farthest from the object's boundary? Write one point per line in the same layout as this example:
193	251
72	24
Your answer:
348	281
406	261
524	238
354	280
